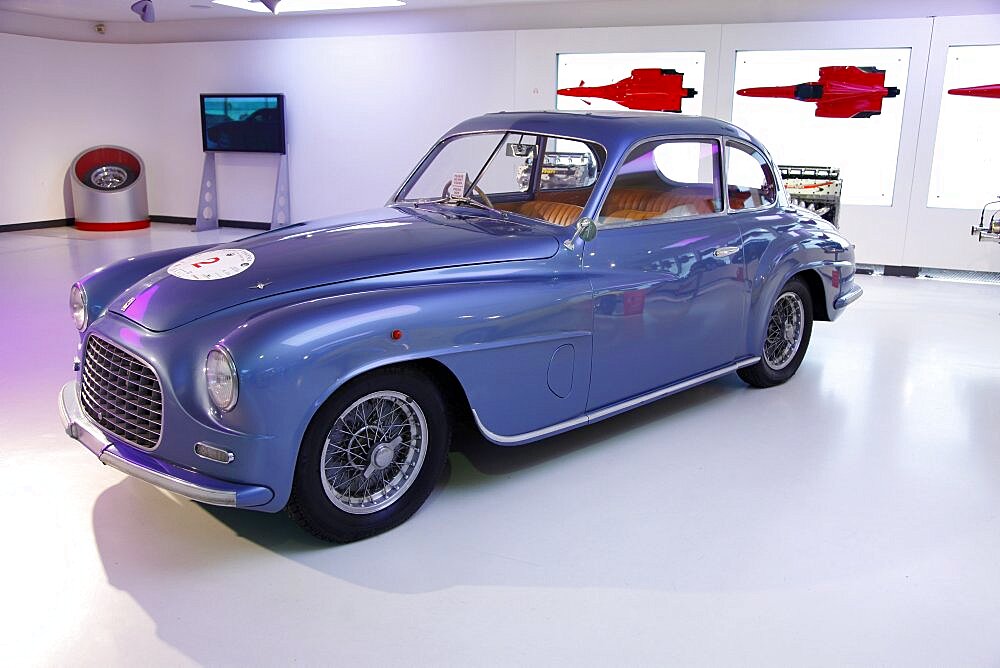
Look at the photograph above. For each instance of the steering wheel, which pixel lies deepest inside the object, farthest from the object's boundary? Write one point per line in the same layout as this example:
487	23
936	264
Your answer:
446	192
483	196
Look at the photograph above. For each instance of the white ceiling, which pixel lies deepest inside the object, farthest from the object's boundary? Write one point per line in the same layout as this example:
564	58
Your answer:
184	21
181	10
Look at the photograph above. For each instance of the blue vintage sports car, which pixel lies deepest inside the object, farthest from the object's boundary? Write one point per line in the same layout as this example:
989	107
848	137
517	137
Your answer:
320	367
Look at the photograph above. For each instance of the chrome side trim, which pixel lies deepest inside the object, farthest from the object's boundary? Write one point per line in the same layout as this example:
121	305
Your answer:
214	497
596	416
671	389
849	298
531	435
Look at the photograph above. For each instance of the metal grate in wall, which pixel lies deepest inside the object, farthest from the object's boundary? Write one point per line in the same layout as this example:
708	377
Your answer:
989	277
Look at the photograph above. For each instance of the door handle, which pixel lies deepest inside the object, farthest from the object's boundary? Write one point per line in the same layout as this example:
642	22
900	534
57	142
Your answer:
726	251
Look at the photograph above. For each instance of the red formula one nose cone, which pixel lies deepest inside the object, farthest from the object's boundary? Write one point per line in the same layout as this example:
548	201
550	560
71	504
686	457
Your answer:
992	90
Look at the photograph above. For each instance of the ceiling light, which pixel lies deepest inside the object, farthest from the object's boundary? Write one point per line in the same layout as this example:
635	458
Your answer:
289	6
144	8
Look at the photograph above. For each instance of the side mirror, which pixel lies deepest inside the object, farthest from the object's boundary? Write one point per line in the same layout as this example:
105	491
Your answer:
586	229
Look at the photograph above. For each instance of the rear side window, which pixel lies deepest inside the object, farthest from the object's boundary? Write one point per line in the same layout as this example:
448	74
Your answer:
665	180
749	178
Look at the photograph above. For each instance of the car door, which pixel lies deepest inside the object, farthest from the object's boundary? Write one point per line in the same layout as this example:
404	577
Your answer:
667	272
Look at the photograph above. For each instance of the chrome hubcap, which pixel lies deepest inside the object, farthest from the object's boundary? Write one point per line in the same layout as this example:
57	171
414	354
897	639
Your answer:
374	452
784	331
109	177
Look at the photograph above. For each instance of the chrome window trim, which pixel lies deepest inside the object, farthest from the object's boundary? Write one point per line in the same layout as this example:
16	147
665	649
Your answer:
660	221
778	187
155	374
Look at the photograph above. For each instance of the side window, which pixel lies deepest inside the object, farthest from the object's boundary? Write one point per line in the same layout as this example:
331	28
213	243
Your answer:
749	178
567	164
665	180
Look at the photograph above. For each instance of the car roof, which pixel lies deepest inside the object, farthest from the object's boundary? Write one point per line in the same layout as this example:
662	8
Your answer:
615	130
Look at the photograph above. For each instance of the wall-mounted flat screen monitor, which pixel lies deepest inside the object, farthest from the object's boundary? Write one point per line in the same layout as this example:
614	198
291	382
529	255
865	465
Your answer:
243	123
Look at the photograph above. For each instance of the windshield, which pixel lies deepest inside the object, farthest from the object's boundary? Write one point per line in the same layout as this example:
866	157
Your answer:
545	178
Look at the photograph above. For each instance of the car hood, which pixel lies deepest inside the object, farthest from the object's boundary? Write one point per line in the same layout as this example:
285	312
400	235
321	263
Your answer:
375	243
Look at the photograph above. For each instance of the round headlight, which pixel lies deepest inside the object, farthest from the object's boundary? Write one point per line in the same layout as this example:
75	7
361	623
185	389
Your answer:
78	306
221	379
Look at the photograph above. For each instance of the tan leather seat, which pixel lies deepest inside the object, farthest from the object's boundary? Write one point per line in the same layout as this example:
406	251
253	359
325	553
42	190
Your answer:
681	204
658	203
557	213
630	199
629	214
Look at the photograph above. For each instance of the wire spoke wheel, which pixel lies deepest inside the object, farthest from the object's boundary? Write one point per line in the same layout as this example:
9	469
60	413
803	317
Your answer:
373	452
784	331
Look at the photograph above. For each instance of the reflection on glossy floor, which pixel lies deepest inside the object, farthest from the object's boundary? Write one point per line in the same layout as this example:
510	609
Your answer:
848	516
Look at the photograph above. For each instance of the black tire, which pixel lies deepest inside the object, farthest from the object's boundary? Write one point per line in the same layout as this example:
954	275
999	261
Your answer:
765	373
311	506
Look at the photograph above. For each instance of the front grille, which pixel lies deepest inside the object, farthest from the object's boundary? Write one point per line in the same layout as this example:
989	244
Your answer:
121	393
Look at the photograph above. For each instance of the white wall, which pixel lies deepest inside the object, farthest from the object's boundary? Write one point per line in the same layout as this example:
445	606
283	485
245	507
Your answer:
361	109
940	237
51	108
878	231
906	232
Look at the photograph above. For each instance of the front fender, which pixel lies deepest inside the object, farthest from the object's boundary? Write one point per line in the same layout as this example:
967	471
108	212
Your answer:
519	348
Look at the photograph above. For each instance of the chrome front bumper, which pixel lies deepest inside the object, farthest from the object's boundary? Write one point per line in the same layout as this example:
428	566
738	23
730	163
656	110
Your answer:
164	475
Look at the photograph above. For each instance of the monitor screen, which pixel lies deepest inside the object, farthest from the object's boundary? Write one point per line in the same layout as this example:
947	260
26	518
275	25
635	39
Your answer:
244	123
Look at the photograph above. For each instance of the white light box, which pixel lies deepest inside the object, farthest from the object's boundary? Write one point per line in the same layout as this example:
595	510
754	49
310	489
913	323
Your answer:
602	69
864	149
966	170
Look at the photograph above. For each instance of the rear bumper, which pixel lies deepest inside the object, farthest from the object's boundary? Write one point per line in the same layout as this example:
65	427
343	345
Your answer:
848	298
144	466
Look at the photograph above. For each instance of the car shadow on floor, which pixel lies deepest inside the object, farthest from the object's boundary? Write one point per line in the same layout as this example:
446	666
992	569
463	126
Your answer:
480	527
488	459
474	461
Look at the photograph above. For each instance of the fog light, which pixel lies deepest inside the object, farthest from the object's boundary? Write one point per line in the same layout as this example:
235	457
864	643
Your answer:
214	453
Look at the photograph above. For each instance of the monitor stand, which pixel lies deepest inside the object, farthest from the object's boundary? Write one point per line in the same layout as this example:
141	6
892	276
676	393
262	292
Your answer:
208	198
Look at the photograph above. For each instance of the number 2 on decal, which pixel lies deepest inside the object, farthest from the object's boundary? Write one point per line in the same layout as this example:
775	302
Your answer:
199	265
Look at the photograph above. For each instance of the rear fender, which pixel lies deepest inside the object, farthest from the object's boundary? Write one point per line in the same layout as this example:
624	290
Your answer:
817	262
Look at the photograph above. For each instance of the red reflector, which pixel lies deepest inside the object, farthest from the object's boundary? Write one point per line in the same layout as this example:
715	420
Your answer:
397	335
836	278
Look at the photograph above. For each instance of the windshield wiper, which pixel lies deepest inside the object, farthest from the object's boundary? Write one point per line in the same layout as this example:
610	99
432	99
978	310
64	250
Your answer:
454	201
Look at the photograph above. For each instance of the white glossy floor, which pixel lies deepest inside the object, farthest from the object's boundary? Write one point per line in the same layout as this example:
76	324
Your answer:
848	517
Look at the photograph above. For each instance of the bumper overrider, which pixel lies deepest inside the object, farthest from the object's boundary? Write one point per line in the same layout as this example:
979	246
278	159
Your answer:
162	474
848	297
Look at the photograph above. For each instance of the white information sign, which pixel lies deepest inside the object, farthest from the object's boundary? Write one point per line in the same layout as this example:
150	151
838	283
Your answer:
459	182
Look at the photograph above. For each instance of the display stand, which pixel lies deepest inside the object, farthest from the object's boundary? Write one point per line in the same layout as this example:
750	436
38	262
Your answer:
208	198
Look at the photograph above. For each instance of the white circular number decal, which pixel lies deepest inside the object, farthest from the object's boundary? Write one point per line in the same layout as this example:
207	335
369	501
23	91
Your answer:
212	265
